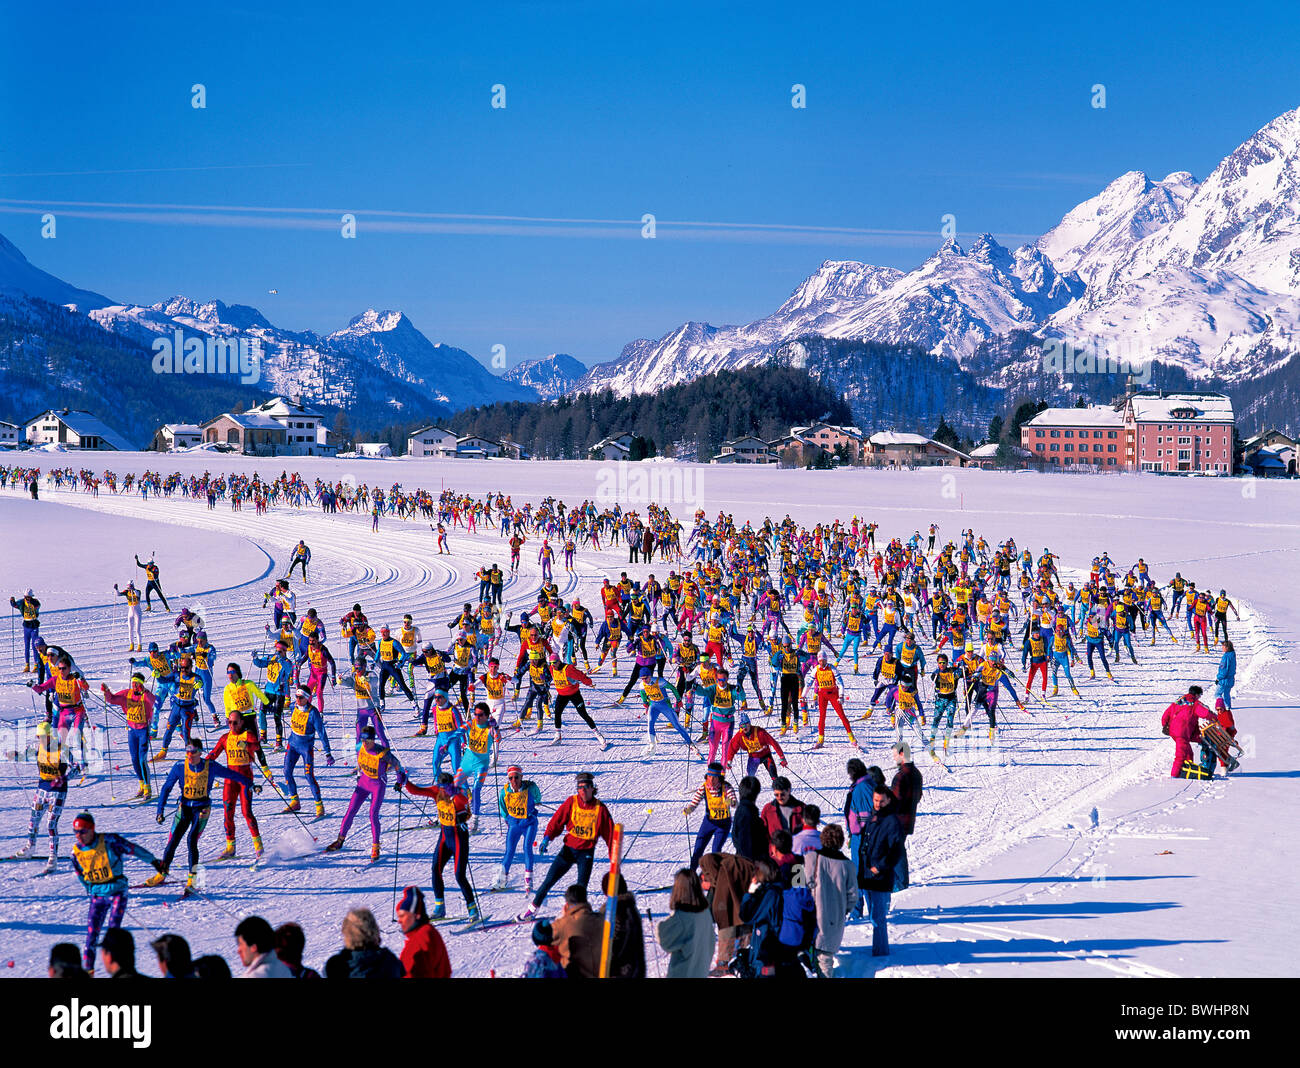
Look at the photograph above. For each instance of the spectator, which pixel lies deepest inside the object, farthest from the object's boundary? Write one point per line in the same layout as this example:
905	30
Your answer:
687	935
362	956
781	855
211	967
627	939
1181	721
1226	676
830	877
761	909
117	954
65	962
726	876
173	957
907	789
424	954
255	943
809	836
748	832
290	944
785	811
578	933
857	813
882	843
545	961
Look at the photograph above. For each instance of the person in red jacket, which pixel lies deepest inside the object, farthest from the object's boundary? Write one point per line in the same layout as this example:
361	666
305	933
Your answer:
424	956
758	746
582	820
1181	723
784	812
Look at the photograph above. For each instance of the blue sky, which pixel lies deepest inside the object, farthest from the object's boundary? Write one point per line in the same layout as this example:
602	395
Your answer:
613	110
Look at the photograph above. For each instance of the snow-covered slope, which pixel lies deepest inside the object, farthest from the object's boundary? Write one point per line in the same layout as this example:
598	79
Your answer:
551	376
18	278
1244	218
1098	234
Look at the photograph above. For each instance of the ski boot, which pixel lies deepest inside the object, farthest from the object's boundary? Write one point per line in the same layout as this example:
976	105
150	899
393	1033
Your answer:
474	915
229	851
1055	690
421	732
374	851
292	806
696	752
26	850
334	846
159	877
1092	674
821	741
619	700
499	883
648	750
159	756
556	739
854	742
529	911
148	792
320	810
528	882
279	744
258	848
50	863
604	742
473	825
439	911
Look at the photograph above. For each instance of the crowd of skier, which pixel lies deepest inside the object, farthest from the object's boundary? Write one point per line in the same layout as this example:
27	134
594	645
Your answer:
740	650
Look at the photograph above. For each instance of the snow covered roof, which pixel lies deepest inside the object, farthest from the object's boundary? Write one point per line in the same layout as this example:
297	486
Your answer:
85	425
1268	458
1099	415
851	431
427	429
250	420
990	451
282	406
1181	407
181	428
893	437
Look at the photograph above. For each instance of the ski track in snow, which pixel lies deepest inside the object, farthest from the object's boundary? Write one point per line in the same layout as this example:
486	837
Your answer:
1042	773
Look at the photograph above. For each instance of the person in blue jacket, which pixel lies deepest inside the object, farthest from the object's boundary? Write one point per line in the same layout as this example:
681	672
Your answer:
305	723
98	861
1226	677
196	775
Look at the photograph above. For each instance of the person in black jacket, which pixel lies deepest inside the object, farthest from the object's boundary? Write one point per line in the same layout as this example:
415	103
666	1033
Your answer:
907	788
362	957
627	940
882	847
748	832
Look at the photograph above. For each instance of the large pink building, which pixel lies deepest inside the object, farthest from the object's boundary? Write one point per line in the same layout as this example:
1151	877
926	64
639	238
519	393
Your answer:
1180	432
1074	437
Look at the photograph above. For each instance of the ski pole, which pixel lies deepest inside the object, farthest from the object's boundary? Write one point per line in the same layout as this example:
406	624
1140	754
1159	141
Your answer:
811	787
633	839
397	850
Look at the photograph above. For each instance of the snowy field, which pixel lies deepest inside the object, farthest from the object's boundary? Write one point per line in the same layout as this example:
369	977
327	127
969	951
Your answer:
1064	850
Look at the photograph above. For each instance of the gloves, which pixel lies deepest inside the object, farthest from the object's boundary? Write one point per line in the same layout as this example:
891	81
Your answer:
257	787
686	810
329	760
784	763
546	842
29	683
160	817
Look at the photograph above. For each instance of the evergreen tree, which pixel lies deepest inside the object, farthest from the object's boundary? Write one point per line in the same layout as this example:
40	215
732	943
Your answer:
945	435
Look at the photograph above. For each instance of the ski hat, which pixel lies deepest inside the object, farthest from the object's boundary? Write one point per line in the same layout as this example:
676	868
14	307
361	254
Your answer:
585	777
302	694
744	719
542	933
714	769
412	900
368	732
153	647
514	769
44	727
84	822
193	745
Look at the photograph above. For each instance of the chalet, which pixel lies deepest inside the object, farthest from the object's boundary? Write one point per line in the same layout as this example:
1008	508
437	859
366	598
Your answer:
890	448
172	436
431	441
745	450
75	429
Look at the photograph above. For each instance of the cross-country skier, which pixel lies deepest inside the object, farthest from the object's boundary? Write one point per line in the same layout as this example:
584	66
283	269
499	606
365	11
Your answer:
453	842
720	799
374	761
305	723
152	586
136	704
240	745
517	802
582	820
98	858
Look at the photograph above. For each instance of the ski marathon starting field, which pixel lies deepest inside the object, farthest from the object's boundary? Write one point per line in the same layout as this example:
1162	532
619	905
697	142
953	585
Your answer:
1065	849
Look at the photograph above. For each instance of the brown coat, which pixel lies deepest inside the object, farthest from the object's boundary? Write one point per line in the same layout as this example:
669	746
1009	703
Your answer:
730	876
578	933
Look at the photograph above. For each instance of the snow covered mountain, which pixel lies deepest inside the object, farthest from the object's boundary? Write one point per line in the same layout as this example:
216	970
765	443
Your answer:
552	376
1093	238
1204	278
18	278
446	374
